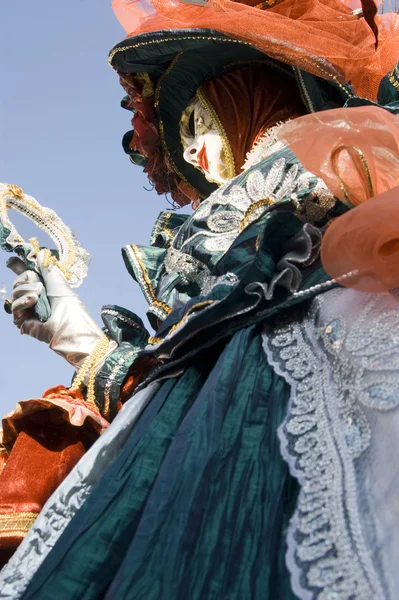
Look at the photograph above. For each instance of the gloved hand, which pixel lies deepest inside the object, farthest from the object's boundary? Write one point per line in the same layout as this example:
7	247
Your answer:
70	331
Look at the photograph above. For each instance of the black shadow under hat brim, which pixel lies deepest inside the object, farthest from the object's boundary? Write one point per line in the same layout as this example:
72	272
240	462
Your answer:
181	61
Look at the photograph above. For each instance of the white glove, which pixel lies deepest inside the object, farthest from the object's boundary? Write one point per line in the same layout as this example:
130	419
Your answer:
70	331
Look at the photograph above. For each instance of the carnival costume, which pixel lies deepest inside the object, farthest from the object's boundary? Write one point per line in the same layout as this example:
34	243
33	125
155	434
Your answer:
255	456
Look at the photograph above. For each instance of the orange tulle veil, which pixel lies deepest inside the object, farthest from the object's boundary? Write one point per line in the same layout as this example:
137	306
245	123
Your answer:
324	37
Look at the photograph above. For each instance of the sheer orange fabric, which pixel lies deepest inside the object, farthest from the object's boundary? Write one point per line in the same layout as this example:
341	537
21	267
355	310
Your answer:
323	37
44	438
365	243
356	152
249	101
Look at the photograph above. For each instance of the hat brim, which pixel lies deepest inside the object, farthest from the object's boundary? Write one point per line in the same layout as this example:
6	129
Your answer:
181	61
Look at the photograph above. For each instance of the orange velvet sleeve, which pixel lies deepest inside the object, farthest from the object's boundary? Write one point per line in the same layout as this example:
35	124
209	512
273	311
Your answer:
44	438
136	374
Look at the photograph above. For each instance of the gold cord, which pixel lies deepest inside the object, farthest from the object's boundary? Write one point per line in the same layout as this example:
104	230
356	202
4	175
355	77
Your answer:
252	208
267	4
50	259
393	79
89	366
146	281
16	524
364	164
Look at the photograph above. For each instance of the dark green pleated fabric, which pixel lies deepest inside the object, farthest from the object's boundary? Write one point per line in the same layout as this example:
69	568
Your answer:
197	503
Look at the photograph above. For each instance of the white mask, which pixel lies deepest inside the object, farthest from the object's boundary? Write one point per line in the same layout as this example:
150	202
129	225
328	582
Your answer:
205	144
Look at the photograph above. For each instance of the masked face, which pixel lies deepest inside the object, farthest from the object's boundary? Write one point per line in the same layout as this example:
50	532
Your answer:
204	147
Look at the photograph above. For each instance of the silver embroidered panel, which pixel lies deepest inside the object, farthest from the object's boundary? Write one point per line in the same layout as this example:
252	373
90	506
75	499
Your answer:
218	218
189	268
211	230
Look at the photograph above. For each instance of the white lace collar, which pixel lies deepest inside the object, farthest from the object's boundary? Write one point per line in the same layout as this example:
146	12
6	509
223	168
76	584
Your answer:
264	147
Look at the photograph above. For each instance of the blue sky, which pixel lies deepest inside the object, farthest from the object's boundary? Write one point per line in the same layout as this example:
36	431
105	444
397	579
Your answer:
60	131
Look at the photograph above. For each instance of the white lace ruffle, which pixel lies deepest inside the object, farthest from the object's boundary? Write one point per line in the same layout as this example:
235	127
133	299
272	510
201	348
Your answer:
70	251
340	441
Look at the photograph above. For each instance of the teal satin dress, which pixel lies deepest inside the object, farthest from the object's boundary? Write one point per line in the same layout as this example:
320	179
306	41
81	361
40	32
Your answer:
197	502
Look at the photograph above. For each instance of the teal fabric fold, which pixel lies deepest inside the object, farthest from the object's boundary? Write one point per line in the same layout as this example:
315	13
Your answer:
146	265
128	331
171	294
254	255
142	262
388	92
197	503
166	228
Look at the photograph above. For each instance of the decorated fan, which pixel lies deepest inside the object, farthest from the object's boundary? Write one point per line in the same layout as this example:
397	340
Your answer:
70	257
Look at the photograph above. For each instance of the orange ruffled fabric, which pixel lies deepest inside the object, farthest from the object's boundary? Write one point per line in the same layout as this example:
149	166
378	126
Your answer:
322	37
365	242
43	439
63	404
356	152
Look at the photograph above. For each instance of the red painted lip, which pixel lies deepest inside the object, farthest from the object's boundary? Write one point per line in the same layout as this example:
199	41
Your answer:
202	159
